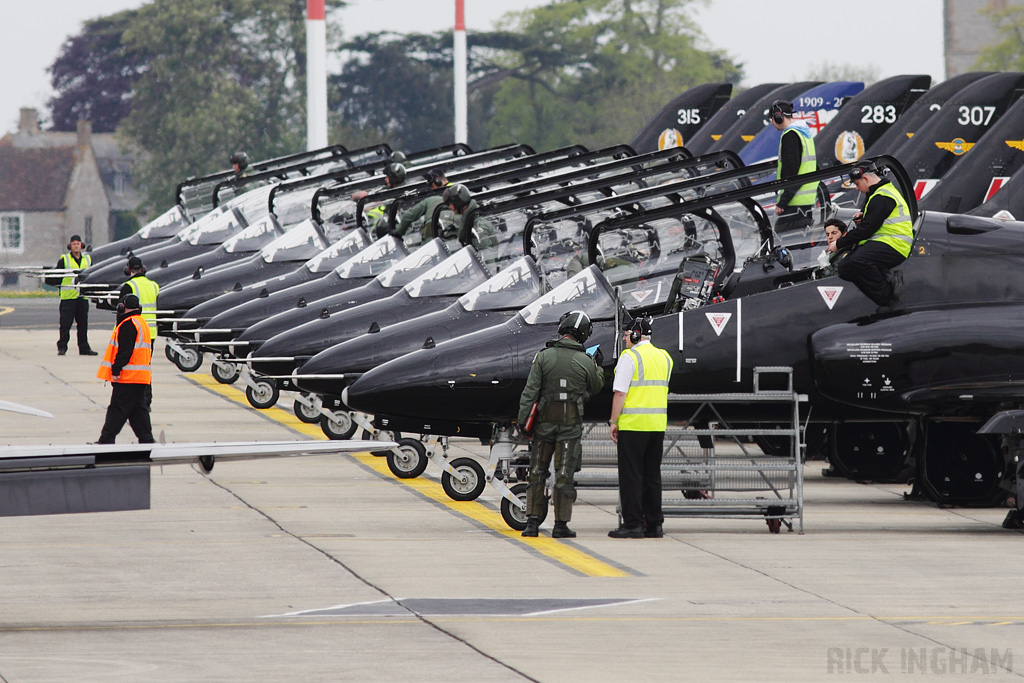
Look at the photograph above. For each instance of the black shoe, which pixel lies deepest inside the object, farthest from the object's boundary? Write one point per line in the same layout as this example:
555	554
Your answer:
1013	520
88	352
626	532
562	530
61	352
532	527
654	532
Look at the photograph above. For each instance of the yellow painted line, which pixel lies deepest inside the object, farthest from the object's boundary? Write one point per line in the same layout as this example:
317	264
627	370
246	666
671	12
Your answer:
549	547
4	310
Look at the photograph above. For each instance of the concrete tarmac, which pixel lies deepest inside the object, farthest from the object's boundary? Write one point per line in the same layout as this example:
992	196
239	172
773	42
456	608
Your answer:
331	569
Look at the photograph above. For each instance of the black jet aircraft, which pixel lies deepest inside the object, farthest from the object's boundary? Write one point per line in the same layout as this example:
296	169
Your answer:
729	115
921	377
682	117
957	127
976	177
866	117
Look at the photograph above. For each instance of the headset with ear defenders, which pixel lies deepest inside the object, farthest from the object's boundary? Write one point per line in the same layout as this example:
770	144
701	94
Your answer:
778	116
639	328
128	271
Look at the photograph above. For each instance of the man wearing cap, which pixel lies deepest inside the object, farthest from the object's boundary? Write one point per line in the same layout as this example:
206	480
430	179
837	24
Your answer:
423	209
796	157
638	422
127	366
883	234
74	308
142	287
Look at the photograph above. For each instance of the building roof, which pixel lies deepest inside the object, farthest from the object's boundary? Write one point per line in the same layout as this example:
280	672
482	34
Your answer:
35	179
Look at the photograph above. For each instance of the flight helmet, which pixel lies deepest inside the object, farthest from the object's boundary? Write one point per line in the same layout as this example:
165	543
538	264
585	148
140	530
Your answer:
457	195
240	158
397	157
395	172
577	324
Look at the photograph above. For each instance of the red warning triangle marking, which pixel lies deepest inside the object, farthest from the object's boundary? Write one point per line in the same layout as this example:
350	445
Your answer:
830	295
718	321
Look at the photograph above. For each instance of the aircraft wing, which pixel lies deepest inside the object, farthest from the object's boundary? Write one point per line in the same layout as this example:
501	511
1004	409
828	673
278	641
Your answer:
61	479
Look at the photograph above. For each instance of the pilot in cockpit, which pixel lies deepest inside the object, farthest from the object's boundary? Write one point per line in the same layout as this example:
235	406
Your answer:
827	260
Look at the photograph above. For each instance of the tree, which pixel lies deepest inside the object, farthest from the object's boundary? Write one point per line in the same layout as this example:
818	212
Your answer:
221	76
94	75
1007	54
828	73
594	71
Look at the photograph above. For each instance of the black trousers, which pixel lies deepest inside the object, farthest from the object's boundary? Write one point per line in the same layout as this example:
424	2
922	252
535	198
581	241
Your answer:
867	267
128	403
639	456
74	311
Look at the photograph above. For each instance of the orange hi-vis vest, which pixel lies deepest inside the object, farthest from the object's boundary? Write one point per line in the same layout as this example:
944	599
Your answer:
137	371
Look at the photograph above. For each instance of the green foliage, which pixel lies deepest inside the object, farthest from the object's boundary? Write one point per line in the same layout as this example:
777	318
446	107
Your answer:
222	75
595	71
1008	53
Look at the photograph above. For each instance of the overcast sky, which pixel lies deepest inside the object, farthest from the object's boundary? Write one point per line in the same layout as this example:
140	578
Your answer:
753	32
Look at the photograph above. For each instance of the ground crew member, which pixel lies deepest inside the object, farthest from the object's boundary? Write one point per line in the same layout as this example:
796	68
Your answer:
144	288
376	216
470	228
883	234
638	421
74	308
794	205
563	377
423	209
126	365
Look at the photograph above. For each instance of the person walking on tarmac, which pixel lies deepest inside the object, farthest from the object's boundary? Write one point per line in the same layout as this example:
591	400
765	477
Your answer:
563	377
423	209
883	234
638	421
142	287
74	308
127	366
794	205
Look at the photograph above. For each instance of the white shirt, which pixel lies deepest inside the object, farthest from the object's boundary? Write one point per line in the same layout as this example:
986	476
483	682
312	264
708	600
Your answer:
624	370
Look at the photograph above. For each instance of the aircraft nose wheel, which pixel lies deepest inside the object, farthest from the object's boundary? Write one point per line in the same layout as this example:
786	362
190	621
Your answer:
410	461
310	414
467	483
225	373
188	360
263	394
513	516
338	426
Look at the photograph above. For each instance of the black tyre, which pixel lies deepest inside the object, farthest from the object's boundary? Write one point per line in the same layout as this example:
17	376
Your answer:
412	461
188	360
264	395
339	427
467	483
513	516
962	467
226	373
309	415
169	353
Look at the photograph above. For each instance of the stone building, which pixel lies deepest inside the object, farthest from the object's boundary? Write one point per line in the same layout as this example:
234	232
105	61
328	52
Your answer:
54	185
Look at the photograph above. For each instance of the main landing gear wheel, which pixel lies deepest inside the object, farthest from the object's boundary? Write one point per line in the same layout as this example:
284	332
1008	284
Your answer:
412	460
467	483
225	373
264	395
382	435
188	360
338	428
309	414
513	516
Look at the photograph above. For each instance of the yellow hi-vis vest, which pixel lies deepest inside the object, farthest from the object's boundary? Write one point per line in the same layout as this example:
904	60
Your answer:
138	370
646	406
897	230
147	291
804	196
67	291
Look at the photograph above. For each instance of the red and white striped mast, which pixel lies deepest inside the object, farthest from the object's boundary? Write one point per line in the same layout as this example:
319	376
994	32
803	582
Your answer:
316	75
461	127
